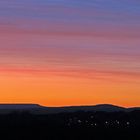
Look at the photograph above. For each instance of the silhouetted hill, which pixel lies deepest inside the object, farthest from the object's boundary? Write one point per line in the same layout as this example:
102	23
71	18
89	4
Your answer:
99	122
37	109
9	108
101	107
19	106
133	109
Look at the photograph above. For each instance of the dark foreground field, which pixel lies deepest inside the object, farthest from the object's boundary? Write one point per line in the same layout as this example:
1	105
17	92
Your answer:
71	126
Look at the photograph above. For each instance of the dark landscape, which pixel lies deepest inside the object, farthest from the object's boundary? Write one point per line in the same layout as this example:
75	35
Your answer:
31	121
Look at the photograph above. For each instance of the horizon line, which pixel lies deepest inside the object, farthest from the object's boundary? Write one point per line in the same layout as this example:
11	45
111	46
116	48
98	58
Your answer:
81	105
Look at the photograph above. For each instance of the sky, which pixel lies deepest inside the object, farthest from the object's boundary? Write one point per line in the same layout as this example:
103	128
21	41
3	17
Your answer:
70	52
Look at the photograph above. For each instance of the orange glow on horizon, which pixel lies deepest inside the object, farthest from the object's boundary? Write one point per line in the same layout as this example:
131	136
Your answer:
58	90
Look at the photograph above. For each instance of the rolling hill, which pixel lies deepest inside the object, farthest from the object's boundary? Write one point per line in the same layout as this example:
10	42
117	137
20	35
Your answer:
37	109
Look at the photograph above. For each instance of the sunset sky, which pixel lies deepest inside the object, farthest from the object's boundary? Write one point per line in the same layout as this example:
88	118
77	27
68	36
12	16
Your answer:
70	52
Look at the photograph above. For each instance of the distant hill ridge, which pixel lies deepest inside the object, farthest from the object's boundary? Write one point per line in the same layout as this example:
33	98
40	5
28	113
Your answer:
38	109
19	106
